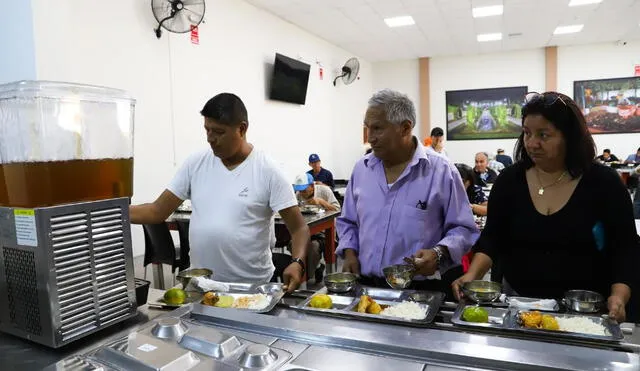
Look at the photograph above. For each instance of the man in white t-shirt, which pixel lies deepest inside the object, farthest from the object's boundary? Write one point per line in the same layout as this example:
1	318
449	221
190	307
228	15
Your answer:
234	190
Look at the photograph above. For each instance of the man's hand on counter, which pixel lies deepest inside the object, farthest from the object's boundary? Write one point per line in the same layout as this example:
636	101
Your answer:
292	277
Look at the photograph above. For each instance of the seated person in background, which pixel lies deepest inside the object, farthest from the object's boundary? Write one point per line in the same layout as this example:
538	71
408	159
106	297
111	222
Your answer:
475	194
504	159
558	220
483	175
437	141
606	156
320	174
633	158
309	193
401	202
234	190
495	165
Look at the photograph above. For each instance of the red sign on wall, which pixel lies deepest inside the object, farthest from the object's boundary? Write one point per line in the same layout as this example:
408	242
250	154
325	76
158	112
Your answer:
195	37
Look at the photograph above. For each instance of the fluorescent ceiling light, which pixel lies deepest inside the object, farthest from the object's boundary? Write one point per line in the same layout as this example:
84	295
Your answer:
583	2
561	30
487	11
489	37
405	20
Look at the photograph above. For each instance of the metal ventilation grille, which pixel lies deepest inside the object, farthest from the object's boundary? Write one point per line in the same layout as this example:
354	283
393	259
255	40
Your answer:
24	309
72	261
107	233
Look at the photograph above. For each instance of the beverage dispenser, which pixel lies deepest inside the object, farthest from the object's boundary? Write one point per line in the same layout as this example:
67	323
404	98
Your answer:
66	176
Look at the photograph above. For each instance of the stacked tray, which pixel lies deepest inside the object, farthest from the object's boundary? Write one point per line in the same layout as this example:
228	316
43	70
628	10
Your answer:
346	305
507	319
273	292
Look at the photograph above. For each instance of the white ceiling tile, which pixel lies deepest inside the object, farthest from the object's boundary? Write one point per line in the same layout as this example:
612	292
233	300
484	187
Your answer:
446	27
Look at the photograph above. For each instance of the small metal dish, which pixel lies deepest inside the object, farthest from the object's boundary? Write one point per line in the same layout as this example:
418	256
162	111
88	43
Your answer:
340	282
482	291
257	356
399	276
186	275
169	328
583	301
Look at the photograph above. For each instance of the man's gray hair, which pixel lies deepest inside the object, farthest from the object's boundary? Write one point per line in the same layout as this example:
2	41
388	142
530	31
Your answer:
397	106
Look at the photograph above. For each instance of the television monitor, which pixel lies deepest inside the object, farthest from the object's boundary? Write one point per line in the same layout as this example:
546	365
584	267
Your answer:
609	105
290	80
485	113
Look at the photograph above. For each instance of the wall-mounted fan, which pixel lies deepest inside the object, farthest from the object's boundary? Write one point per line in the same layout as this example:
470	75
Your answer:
177	15
349	72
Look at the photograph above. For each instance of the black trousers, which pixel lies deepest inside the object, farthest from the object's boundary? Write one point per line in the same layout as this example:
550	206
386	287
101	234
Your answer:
443	285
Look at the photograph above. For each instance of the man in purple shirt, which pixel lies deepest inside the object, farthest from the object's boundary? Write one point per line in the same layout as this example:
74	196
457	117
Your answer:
403	202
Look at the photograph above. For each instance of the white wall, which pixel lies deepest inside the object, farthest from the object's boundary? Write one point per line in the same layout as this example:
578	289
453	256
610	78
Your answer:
600	61
16	43
478	72
516	68
403	76
112	43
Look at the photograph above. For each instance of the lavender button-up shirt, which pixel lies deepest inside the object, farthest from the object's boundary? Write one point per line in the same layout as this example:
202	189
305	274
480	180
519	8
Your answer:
427	206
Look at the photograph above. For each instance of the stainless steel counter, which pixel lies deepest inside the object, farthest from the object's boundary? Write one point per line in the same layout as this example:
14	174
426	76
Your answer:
19	354
323	343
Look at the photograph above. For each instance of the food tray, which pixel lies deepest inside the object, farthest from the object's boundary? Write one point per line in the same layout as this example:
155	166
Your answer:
614	332
272	290
345	306
236	289
507	320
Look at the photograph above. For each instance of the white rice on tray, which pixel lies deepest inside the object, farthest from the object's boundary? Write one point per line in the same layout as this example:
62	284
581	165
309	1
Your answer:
406	310
581	325
255	302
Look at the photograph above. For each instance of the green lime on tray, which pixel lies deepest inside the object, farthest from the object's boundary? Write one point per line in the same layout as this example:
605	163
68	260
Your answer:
175	296
475	314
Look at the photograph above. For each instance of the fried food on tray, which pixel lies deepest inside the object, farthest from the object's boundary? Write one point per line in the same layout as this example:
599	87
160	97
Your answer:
210	298
364	303
549	322
531	319
374	308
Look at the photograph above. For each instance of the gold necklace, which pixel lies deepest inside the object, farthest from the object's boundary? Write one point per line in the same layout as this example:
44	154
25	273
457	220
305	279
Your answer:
542	188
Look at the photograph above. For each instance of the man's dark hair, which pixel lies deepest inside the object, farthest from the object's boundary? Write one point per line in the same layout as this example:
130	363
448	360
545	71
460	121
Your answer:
437	132
638	149
565	115
607	151
226	108
466	173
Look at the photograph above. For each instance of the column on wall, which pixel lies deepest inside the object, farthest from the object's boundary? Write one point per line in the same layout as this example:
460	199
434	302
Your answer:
551	68
425	112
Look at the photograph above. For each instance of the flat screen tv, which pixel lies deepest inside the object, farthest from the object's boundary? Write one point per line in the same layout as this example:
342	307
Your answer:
290	80
609	105
485	113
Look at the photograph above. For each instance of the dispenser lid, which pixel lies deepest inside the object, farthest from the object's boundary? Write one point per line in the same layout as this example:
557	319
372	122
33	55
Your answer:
62	90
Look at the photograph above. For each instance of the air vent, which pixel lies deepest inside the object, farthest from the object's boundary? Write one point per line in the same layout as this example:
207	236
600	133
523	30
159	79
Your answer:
107	233
72	260
22	293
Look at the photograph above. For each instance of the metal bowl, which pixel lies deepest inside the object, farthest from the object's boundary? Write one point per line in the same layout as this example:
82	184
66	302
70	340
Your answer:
169	328
583	301
186	275
399	276
257	356
482	291
340	282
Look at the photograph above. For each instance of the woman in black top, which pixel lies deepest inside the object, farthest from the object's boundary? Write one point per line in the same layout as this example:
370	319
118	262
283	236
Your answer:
556	219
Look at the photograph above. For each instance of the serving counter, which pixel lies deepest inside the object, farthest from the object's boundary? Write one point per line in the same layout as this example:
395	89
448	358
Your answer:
306	341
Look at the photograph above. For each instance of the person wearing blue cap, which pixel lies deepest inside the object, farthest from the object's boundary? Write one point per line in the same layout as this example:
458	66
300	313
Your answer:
319	173
309	193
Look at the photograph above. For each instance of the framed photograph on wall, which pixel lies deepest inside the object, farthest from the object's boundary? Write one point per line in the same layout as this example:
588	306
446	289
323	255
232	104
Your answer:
609	105
485	113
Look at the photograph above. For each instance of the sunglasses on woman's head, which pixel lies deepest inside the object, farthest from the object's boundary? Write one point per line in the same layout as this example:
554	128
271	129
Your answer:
548	99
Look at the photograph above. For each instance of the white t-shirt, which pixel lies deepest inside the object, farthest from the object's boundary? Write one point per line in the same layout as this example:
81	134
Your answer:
232	219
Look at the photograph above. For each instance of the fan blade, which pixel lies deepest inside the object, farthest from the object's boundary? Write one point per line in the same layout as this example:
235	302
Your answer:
178	24
193	2
194	17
